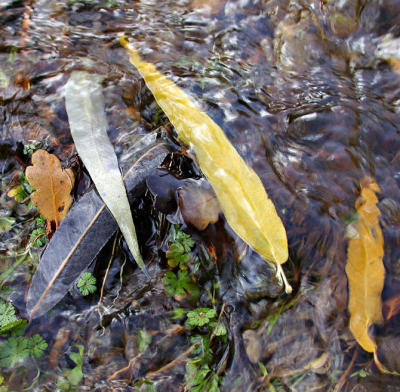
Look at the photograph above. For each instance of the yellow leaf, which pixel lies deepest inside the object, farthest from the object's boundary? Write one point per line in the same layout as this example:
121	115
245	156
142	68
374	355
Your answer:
365	270
240	192
52	185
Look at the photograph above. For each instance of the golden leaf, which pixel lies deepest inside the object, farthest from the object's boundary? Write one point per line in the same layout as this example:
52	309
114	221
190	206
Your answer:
52	185
365	270
240	192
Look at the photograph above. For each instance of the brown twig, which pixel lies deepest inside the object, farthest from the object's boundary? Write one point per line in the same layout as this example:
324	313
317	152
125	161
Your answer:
171	331
218	322
174	362
344	376
126	368
106	274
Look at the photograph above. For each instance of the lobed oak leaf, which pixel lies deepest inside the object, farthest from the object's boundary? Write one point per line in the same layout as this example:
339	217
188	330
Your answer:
52	184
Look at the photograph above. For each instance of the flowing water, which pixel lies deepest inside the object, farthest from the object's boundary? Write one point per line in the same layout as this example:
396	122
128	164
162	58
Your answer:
307	91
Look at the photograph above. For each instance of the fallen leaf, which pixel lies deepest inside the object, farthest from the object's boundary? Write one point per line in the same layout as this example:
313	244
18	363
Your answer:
365	270
198	203
87	119
82	234
240	192
52	184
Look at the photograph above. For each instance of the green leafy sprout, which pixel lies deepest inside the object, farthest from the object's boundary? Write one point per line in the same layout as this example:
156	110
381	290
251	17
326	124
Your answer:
71	378
38	237
180	285
200	317
199	376
179	248
86	283
16	348
34	145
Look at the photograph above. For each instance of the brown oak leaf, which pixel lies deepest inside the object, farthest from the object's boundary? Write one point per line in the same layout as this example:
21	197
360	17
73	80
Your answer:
52	184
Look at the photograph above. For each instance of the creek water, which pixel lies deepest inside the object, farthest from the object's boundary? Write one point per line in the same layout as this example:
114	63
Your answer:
307	92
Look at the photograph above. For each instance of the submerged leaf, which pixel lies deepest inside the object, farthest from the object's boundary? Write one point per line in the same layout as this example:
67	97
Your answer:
88	123
365	270
81	236
240	192
52	195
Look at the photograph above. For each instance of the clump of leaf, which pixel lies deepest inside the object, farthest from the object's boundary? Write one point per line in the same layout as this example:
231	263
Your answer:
13	351
16	348
38	235
199	374
179	249
200	317
86	283
21	191
180	285
36	345
34	145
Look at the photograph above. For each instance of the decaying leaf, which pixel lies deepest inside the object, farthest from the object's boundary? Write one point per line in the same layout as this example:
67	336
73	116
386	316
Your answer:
198	204
52	184
240	192
82	234
88	123
365	270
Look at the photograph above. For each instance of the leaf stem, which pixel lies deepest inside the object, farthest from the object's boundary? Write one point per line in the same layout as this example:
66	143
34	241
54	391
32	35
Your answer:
281	275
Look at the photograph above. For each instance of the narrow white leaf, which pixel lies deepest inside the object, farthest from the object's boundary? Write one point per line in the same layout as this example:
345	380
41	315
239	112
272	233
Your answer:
87	120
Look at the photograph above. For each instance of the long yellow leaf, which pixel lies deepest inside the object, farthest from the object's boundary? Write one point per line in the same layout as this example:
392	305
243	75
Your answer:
365	270
240	192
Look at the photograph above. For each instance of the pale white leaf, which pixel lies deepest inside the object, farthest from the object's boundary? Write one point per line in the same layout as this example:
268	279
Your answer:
87	119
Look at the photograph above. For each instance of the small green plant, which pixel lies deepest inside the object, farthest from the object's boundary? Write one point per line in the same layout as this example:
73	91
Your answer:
17	193
16	348
86	283
40	221
36	345
71	378
38	237
199	376
200	317
30	148
180	246
21	191
180	285
13	351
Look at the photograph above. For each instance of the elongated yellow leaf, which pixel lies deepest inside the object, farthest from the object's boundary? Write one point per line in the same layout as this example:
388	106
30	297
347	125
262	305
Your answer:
240	192
364	269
